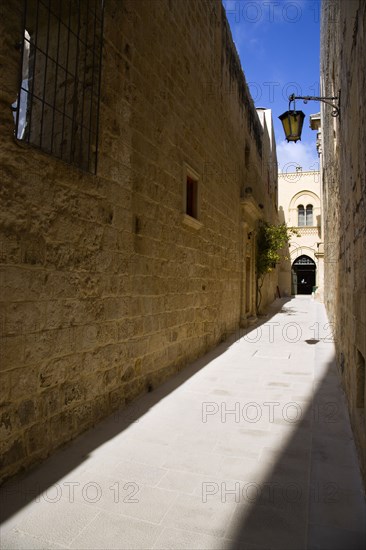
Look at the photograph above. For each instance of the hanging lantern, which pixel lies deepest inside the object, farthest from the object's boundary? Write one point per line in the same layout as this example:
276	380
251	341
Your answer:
292	122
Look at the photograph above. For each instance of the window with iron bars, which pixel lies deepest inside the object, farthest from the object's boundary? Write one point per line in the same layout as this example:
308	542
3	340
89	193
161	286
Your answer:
57	108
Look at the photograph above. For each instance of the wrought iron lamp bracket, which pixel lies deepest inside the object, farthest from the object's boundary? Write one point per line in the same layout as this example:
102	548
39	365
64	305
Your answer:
328	100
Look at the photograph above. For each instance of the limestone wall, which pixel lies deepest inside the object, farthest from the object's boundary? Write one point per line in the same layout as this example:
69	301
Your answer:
343	68
106	290
269	199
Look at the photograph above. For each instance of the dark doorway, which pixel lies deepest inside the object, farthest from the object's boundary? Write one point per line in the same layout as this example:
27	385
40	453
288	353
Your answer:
303	275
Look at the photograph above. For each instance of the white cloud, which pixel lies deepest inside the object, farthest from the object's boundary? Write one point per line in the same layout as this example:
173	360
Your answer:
292	155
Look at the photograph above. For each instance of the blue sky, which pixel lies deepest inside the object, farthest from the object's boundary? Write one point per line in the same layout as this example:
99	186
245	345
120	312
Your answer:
278	46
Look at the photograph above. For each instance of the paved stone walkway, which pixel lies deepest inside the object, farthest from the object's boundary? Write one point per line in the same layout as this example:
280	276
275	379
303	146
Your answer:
250	447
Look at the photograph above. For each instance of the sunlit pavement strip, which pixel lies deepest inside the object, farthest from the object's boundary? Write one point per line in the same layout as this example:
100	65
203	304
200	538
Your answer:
249	447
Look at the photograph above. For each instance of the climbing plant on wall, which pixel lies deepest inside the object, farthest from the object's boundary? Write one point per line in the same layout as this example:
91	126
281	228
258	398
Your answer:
271	239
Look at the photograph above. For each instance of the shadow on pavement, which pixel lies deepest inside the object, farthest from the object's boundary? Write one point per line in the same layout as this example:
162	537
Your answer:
312	495
21	490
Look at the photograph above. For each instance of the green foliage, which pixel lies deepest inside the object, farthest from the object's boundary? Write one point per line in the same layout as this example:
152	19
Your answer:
270	240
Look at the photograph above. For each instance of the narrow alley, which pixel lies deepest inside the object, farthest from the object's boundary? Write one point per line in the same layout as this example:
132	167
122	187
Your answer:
182	275
249	447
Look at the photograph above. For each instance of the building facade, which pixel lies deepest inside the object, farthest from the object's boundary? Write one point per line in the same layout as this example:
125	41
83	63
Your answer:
135	171
300	207
343	166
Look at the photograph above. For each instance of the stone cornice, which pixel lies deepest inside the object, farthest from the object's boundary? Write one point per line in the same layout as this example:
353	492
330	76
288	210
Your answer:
251	210
285	174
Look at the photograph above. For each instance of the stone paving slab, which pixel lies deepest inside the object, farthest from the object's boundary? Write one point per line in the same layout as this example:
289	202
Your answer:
250	447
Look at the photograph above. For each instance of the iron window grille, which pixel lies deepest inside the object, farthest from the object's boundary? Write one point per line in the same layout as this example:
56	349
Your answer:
304	260
57	108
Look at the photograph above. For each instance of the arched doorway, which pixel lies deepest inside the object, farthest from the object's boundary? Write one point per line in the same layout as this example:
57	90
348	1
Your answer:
303	275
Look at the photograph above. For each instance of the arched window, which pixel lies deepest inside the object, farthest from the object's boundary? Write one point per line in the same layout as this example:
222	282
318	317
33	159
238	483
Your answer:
309	214
300	215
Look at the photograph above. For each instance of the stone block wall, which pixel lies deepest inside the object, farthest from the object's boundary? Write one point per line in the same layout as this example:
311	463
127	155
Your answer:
106	291
343	70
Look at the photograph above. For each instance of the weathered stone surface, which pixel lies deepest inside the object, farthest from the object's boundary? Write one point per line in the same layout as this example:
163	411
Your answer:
26	412
105	291
343	72
12	453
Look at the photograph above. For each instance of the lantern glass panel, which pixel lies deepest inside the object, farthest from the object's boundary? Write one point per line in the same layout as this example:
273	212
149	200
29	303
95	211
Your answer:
292	122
